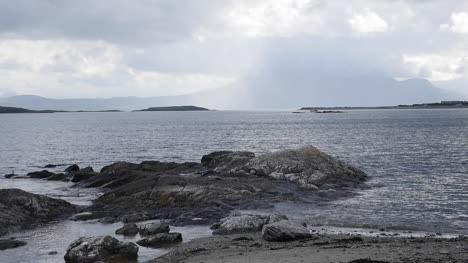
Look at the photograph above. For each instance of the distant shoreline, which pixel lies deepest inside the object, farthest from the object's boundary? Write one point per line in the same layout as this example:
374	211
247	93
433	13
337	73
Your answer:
437	105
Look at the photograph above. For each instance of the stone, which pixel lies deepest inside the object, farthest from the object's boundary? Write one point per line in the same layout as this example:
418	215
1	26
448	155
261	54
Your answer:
161	240
72	168
83	174
11	243
226	160
153	228
238	224
40	175
84	216
285	230
8	176
21	210
128	230
57	177
131	218
102	248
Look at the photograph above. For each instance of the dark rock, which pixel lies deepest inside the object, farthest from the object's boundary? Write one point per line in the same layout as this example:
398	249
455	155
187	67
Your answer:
108	220
307	167
83	174
128	230
161	240
50	166
84	216
57	177
239	224
52	253
367	260
156	227
285	230
131	218
226	160
40	175
11	243
8	176
72	168
21	210
103	248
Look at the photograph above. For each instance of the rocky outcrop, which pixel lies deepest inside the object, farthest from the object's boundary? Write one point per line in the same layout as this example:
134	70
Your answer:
236	224
72	168
11	243
226	160
307	167
128	230
161	240
285	230
153	228
83	174
21	210
40	175
103	248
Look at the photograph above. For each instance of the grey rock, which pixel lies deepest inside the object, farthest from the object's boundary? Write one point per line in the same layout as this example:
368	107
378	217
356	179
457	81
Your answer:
11	243
285	230
57	177
40	175
226	160
20	209
161	240
83	216
131	218
153	228
83	174
8	176
239	224
102	248
128	230
72	168
307	167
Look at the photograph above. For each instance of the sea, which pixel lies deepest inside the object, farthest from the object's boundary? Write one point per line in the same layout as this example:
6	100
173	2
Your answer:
417	160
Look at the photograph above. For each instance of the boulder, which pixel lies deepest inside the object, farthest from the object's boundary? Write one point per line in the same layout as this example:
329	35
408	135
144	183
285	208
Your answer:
102	248
161	240
8	176
40	175
11	243
226	160
83	174
128	230
84	216
131	218
153	228
57	177
285	230
50	166
238	224
21	210
307	167
72	168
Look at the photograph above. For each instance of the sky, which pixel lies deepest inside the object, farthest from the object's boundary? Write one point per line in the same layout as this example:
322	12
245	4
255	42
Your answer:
269	49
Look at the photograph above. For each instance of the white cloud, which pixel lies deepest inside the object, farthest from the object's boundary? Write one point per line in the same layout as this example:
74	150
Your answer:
458	23
439	66
368	22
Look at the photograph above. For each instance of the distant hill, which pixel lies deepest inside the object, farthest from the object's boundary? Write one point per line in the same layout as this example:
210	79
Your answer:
176	108
21	110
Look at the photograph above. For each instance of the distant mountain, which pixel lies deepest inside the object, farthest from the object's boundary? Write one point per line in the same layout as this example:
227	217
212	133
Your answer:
176	108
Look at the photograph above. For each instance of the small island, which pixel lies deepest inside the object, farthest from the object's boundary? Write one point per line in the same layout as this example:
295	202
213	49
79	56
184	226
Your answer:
22	110
175	108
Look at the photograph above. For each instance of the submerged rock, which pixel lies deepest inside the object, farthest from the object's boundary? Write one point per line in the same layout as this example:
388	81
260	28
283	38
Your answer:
72	168
11	243
153	228
285	230
83	174
128	230
41	174
161	240
102	248
307	167
21	210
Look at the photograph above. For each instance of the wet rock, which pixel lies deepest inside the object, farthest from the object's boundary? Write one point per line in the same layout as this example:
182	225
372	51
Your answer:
238	224
72	168
84	216
285	230
161	240
21	210
226	160
8	176
57	177
11	243
128	230
83	174
307	167
131	218
108	220
367	260
40	175
52	253
153	228
102	248
50	166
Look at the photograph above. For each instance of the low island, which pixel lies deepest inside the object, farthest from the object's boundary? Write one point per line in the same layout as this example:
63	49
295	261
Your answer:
22	110
175	108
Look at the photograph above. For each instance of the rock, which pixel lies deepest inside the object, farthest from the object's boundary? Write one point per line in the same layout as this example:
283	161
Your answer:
307	167
72	168
154	228
239	224
226	160
108	220
40	175
161	240
52	253
8	176
128	230
102	248
131	218
50	166
57	177
21	210
285	230
276	218
83	174
83	216
11	243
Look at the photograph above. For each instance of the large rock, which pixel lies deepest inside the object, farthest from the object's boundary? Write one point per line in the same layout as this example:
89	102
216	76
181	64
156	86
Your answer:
83	174
72	168
285	230
307	167
102	248
153	228
11	243
238	224
128	230
226	160
161	240
41	174
21	210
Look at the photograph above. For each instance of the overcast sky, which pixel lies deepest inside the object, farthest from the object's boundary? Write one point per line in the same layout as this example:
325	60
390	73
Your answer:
109	48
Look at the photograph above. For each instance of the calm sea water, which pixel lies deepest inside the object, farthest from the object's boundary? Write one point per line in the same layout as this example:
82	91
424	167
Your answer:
418	159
